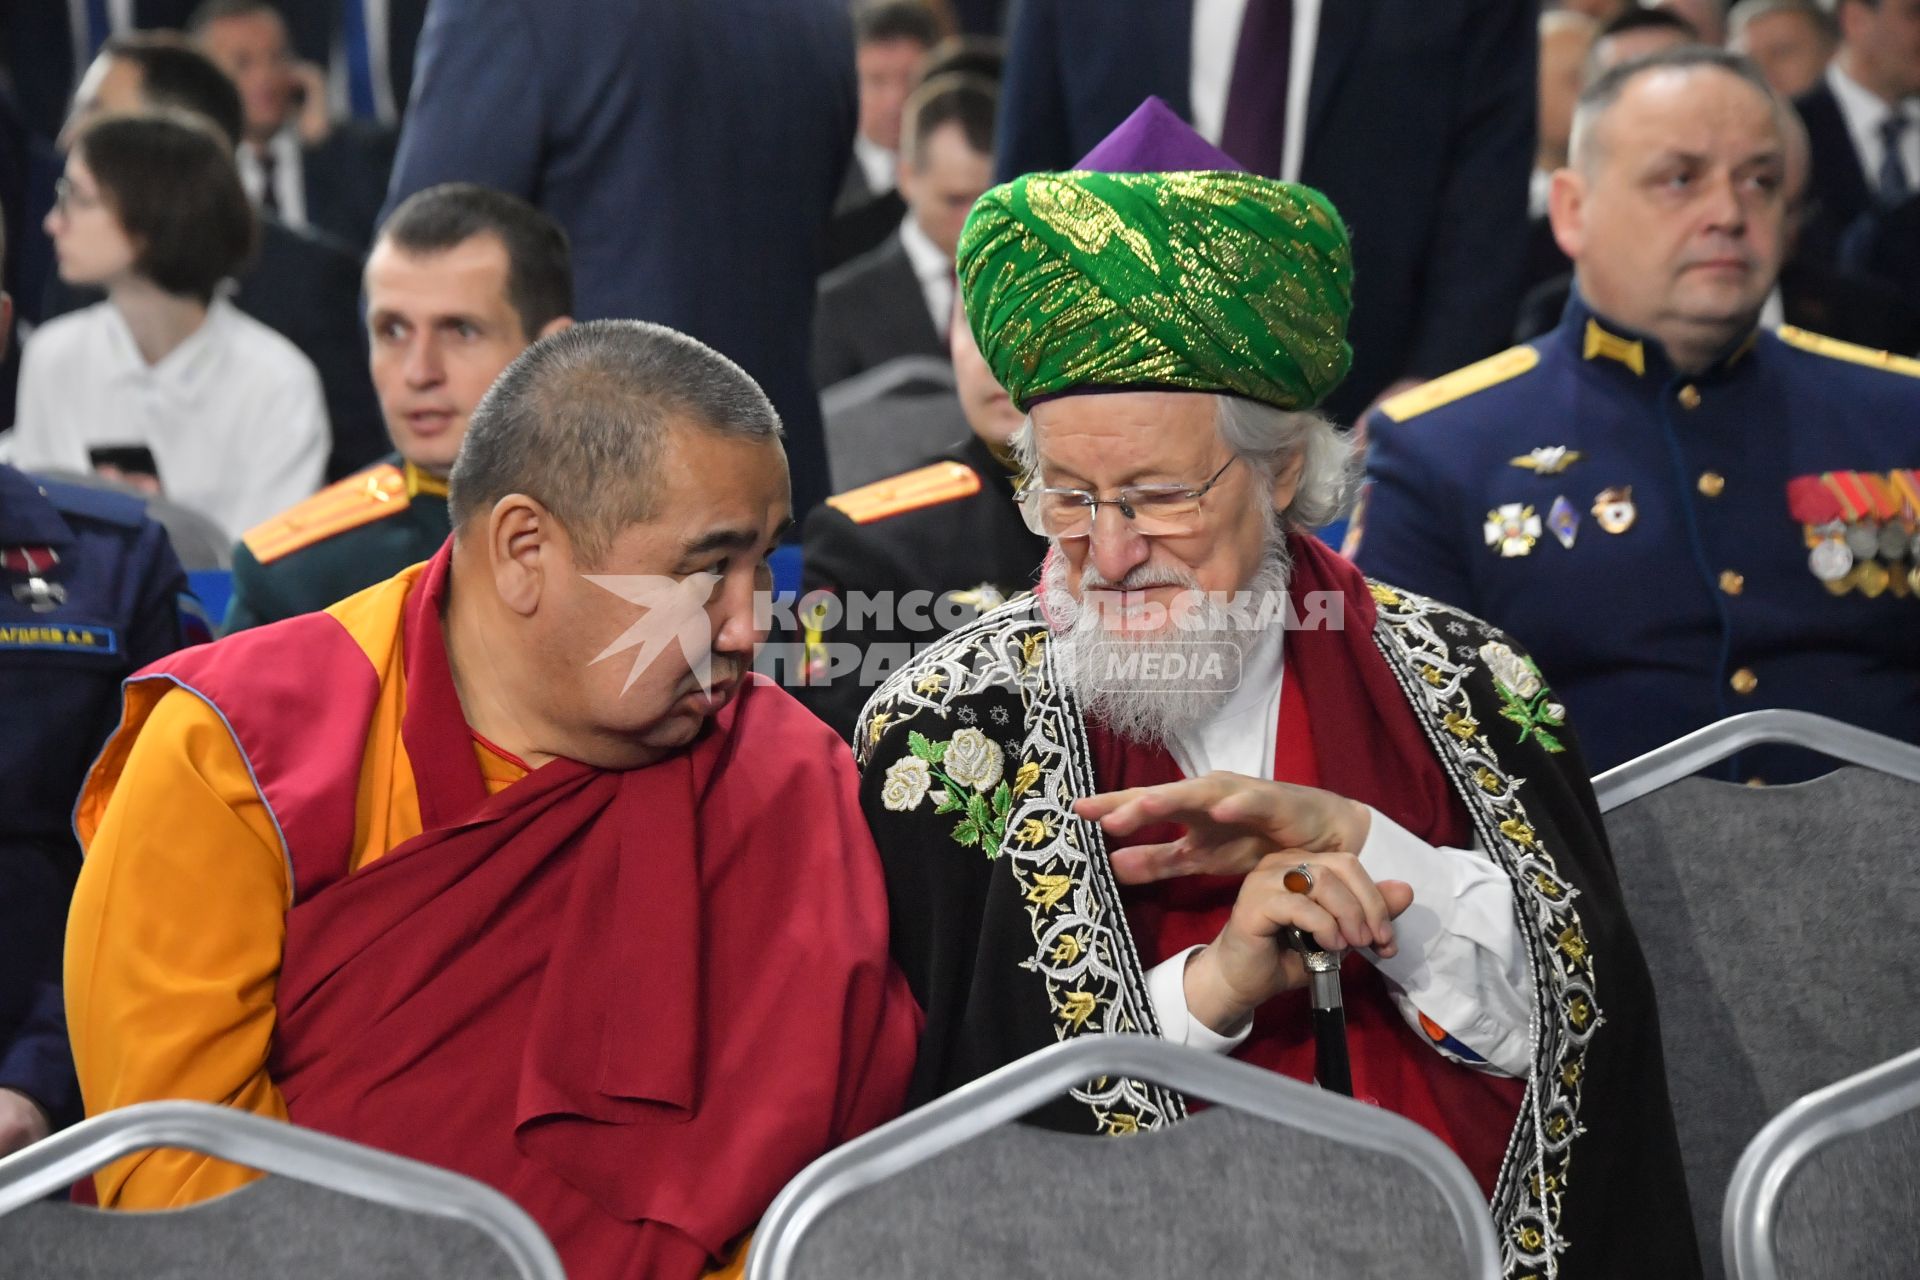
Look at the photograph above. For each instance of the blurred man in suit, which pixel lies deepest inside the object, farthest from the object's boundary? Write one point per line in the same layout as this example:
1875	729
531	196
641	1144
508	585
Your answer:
1438	94
366	48
49	43
691	152
1791	41
1566	36
897	300
1637	33
335	182
1865	121
892	43
302	285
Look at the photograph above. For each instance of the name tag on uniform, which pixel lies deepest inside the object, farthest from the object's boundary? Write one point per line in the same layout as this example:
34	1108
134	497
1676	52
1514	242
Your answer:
52	637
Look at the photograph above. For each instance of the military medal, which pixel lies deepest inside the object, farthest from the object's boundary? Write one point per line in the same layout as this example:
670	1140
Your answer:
1613	509
1871	577
1819	511
37	592
1548	460
1564	521
1512	529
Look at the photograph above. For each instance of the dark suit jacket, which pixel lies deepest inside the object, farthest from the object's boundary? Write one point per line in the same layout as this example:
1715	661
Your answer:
692	152
36	47
307	288
311	25
1837	185
1852	308
346	181
1420	127
861	220
871	311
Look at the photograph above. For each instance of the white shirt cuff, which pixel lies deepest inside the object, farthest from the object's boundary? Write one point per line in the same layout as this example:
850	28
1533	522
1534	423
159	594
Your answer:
1167	988
1460	959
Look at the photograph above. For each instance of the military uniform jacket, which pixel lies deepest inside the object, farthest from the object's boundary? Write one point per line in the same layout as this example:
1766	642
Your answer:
1633	527
1011	930
949	530
350	535
90	592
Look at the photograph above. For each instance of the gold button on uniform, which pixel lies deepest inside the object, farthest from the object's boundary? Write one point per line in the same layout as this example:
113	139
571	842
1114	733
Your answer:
1732	583
1689	397
1711	483
1744	681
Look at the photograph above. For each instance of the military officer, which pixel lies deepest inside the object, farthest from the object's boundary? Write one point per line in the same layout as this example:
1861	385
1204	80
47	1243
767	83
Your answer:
90	592
1683	515
892	566
461	280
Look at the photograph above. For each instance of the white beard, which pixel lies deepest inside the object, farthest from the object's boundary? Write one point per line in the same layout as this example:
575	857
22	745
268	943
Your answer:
1089	650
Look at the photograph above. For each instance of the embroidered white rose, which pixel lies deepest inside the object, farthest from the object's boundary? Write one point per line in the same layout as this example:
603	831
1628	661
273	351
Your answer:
973	760
1510	669
906	784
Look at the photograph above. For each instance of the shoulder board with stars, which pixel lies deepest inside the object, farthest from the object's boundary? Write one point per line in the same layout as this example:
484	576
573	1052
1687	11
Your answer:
1835	349
359	499
897	495
1460	384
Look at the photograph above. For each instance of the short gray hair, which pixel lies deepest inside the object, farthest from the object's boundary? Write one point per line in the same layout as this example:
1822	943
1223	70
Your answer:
577	422
1742	15
1267	439
1597	98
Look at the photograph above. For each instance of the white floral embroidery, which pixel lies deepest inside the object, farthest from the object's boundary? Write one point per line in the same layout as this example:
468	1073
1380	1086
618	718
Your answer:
1510	669
974	760
906	786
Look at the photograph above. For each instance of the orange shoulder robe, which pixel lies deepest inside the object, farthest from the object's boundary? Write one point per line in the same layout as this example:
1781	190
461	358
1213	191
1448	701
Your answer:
178	920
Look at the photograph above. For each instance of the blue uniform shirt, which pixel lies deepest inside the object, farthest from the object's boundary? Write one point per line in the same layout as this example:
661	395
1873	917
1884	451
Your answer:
1686	594
90	591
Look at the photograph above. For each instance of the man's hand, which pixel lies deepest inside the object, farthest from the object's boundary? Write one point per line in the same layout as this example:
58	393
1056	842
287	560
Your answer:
314	122
22	1122
1243	826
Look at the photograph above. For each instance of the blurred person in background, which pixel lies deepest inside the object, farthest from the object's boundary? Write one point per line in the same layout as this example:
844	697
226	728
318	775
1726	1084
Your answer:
294	161
366	49
300	284
947	527
1791	41
896	300
47	45
1636	34
461	281
1708	18
1437	93
1864	118
166	379
692	153
893	41
1566	37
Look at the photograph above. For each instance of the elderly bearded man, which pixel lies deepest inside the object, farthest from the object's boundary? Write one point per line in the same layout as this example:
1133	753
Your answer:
422	871
1413	760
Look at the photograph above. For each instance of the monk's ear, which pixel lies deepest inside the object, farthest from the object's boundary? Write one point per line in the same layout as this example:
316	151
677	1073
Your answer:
522	551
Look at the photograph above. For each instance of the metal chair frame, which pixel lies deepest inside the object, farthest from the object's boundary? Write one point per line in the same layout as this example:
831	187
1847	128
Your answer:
1702	748
1005	1095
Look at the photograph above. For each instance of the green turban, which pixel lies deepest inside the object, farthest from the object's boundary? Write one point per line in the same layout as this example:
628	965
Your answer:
1202	281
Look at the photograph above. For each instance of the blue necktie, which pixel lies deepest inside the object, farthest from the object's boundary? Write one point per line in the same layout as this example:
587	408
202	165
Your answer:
1895	186
99	25
353	34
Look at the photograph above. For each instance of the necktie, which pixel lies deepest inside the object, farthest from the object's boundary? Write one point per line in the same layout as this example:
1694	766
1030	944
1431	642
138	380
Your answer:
359	53
1255	131
269	187
1895	186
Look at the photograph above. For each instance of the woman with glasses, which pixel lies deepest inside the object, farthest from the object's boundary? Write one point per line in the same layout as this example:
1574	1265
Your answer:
165	385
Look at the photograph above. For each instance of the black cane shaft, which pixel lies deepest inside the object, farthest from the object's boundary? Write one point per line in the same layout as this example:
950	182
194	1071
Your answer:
1330	1065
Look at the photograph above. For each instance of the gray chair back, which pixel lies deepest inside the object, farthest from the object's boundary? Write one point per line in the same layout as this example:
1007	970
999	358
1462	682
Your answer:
333	1209
199	543
1778	924
1278	1179
1829	1188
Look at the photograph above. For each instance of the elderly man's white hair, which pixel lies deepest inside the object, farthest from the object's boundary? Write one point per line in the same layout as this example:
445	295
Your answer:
1267	440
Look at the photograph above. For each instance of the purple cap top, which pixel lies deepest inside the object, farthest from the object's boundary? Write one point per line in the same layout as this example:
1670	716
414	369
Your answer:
1154	139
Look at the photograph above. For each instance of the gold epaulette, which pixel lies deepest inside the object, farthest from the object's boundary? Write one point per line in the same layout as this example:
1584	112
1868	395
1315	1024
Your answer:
1461	383
360	499
941	482
1821	345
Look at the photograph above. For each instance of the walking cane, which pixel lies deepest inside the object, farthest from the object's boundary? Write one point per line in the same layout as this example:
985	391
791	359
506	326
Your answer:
1332	1069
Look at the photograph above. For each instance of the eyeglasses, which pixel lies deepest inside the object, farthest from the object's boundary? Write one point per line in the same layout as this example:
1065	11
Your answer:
67	197
1156	510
